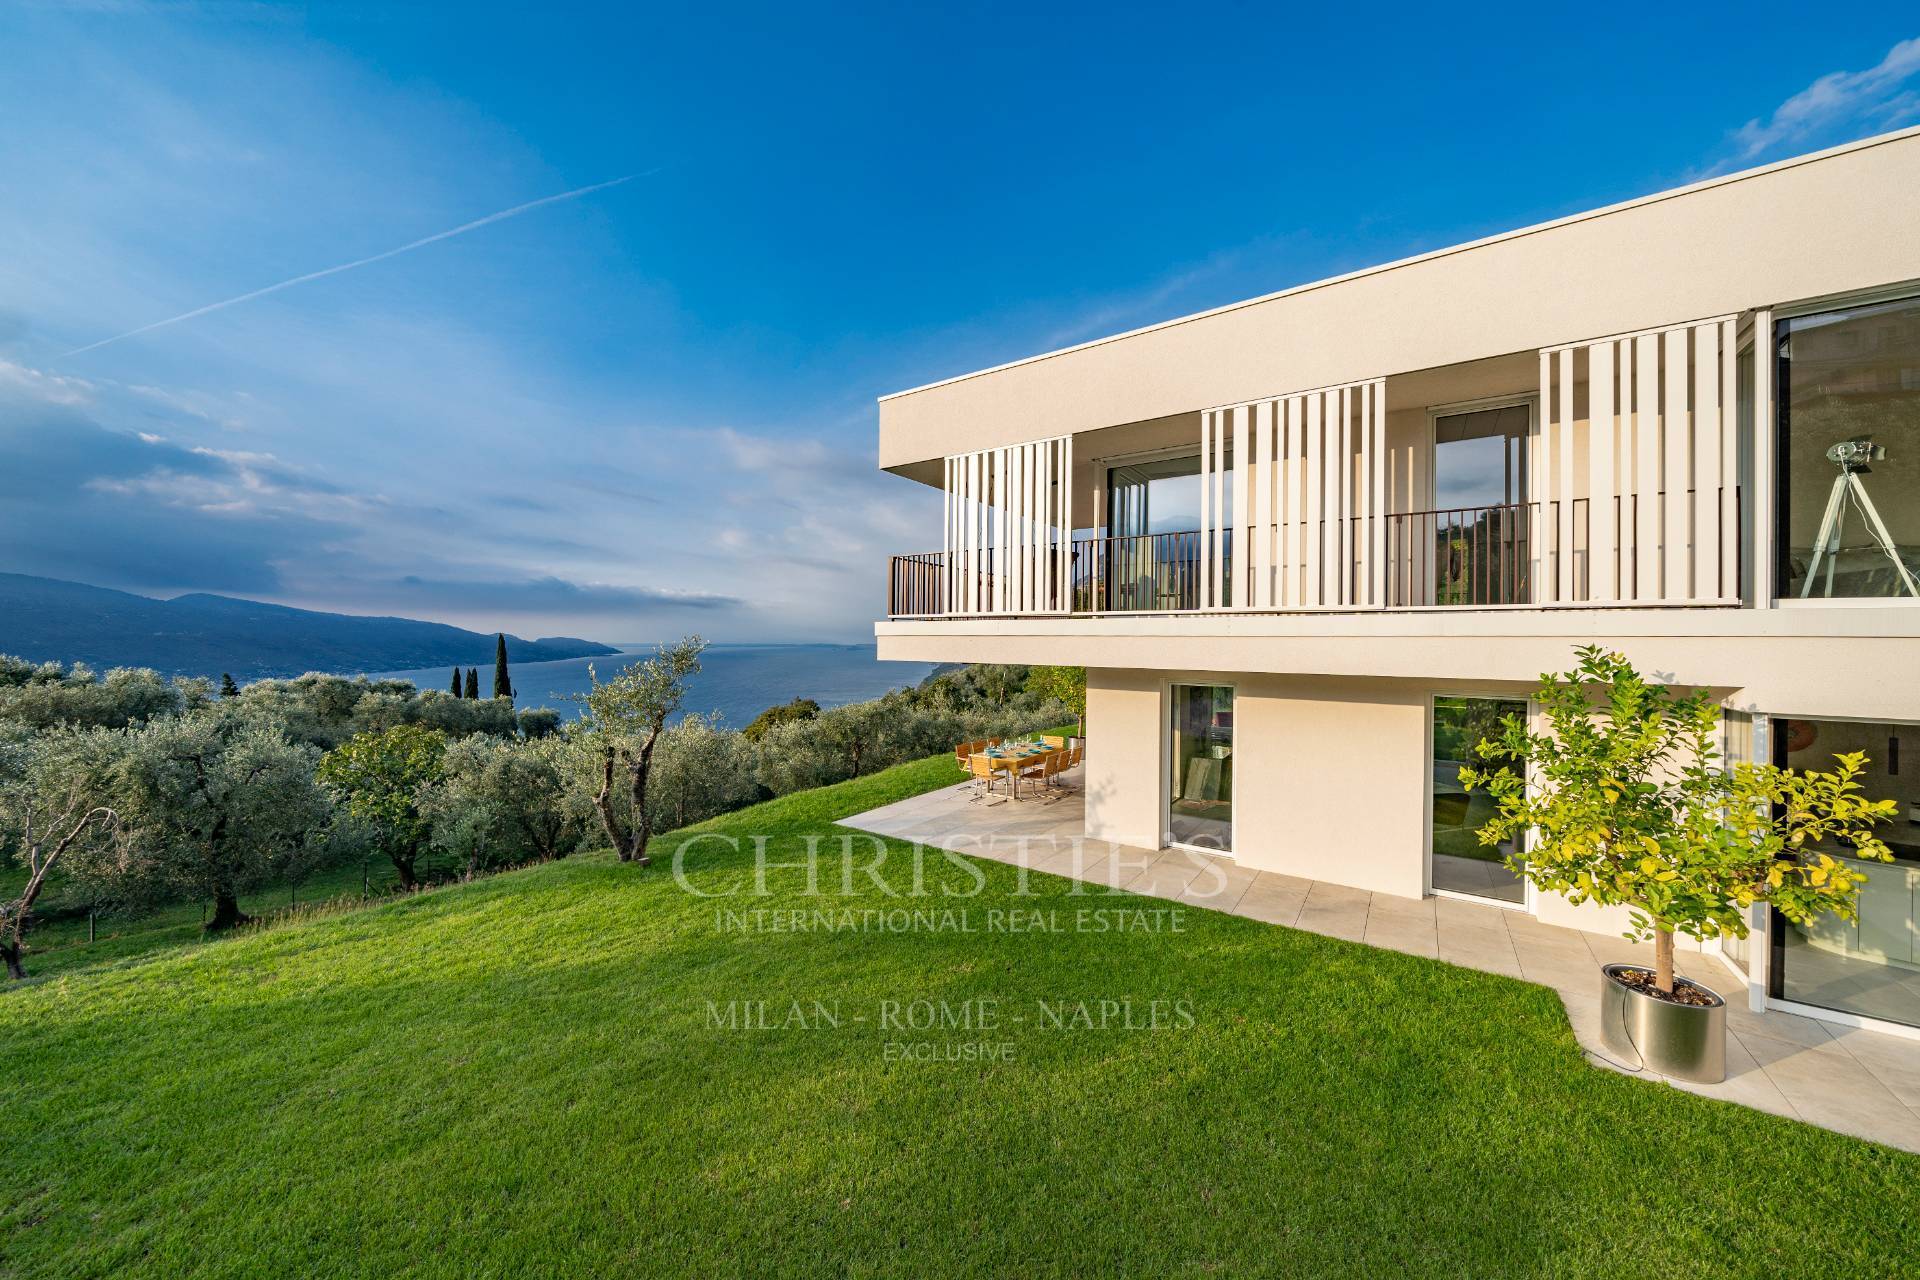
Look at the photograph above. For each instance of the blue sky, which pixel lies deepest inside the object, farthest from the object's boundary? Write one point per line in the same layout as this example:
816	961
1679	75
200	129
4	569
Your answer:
649	409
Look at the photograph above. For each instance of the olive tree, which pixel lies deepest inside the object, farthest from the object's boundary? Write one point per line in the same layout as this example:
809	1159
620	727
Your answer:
700	770
51	813
625	717
382	778
1065	685
500	803
218	805
1630	806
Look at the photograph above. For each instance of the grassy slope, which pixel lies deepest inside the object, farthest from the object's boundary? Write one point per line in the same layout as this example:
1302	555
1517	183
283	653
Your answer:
61	946
517	1077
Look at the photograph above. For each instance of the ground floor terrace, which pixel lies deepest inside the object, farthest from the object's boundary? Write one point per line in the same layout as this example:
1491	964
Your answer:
1846	1078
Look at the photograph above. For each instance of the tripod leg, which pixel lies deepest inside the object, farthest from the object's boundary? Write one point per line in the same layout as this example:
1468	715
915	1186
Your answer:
1827	542
1881	535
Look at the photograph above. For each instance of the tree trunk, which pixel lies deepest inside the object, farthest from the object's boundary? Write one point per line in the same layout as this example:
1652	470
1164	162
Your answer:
637	775
1663	961
603	805
403	866
226	912
10	952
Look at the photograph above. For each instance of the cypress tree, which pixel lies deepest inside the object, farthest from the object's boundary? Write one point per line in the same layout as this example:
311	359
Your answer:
454	688
228	689
473	683
502	685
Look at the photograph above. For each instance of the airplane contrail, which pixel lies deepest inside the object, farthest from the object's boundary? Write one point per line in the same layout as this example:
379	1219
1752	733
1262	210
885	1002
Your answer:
448	234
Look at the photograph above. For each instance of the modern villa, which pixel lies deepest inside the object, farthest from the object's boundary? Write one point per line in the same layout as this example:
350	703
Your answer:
1311	547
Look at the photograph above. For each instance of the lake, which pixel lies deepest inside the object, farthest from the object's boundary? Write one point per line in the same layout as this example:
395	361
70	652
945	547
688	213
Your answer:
737	681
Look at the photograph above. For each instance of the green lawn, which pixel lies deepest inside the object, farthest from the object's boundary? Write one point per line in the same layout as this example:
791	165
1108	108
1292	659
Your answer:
519	1077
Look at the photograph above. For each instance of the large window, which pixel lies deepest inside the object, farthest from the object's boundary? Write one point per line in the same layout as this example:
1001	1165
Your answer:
1461	864
1152	558
1200	765
1869	966
1476	535
1849	473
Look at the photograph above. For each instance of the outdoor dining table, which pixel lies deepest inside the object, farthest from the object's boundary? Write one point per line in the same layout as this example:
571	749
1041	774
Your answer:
1009	756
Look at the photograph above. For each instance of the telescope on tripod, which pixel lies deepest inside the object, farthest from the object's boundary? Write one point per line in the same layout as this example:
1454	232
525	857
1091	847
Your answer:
1853	458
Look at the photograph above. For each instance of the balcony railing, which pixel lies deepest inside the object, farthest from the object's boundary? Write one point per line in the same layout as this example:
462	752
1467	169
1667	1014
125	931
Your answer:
1517	554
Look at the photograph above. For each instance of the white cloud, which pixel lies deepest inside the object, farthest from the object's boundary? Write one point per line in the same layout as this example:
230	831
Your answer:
1873	100
48	388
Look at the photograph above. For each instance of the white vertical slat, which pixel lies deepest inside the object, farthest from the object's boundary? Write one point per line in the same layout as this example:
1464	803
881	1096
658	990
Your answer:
1036	528
1220	492
966	532
1287	510
1066	522
1377	399
1260	544
1052	485
1343	545
1729	378
960	491
1763	565
946	534
1679	461
1017	533
1017	584
1601	436
1206	510
1041	521
1002	529
988	569
1241	544
1362	523
1312	548
1646	447
1539	472
995	532
1563	444
1706	461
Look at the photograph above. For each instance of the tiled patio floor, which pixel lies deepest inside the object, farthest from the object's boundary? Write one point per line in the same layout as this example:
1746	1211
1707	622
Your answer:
1863	1083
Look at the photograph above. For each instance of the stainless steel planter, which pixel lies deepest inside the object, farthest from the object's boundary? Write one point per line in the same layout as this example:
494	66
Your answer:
1688	1042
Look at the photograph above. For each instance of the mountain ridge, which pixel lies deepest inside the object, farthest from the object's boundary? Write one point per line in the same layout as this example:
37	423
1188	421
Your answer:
205	634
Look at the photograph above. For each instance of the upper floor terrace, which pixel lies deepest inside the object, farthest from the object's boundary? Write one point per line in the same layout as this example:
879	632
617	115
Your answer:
1637	408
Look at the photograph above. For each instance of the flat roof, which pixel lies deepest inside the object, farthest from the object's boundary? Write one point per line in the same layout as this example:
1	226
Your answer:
1536	228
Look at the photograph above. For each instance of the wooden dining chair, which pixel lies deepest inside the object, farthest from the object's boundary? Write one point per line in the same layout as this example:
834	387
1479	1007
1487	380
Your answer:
1044	769
982	768
1053	740
1070	759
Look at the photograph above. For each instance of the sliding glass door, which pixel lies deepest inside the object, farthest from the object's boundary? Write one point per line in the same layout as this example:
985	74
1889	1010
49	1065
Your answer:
1200	767
1869	965
1461	864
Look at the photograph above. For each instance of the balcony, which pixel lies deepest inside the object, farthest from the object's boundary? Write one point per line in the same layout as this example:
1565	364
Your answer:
1515	555
1607	472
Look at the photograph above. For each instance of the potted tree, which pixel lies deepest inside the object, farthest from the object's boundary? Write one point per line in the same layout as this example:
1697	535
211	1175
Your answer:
1629	805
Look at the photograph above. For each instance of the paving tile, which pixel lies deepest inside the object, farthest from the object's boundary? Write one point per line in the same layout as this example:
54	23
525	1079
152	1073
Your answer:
1273	899
1459	913
1166	877
1481	949
1778	1024
1398	934
1219	886
1893	1060
1336	911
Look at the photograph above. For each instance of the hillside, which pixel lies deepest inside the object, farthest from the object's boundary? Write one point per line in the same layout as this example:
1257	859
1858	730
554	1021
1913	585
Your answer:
526	1076
46	619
